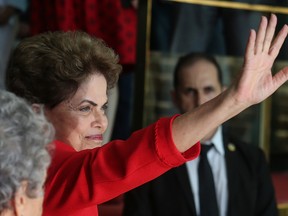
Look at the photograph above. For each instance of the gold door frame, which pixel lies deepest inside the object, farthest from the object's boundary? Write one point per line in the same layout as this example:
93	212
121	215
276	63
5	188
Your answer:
237	5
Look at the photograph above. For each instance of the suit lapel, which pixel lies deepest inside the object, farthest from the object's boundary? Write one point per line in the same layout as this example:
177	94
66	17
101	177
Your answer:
182	175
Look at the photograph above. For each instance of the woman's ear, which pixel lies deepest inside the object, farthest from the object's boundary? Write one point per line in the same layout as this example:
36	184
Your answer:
20	199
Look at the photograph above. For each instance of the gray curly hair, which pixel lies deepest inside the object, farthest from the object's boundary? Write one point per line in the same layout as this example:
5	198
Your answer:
24	148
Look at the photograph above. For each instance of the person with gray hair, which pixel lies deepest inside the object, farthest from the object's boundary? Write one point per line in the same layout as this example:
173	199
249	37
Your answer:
24	156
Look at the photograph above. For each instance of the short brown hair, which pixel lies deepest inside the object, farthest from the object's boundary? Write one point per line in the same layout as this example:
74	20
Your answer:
192	58
49	68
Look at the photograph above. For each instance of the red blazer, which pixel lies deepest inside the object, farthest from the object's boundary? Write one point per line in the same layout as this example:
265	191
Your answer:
78	181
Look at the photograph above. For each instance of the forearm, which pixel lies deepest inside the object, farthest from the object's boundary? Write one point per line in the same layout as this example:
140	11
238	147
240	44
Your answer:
191	127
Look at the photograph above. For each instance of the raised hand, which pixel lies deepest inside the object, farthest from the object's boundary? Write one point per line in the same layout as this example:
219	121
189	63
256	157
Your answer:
256	81
254	84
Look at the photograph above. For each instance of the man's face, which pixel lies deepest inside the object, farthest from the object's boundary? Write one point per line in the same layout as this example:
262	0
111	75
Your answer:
198	83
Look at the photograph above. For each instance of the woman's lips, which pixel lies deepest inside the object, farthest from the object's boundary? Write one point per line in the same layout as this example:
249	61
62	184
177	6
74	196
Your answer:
98	137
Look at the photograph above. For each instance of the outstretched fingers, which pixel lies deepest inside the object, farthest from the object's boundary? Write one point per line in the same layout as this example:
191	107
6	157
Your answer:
270	33
261	35
262	41
280	77
278	41
261	52
251	44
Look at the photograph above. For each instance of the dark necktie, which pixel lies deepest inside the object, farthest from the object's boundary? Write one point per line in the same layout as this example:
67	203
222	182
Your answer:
207	193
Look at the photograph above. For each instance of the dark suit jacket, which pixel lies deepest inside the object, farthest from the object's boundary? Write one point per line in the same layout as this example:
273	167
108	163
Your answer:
250	188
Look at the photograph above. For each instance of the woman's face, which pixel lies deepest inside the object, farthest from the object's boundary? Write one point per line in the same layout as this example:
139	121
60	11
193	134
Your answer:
81	121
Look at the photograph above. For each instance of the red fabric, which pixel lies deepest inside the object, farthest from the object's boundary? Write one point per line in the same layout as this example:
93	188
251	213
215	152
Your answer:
106	19
280	181
78	181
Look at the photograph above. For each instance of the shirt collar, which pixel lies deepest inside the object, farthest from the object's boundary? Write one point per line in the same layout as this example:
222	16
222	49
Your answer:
217	140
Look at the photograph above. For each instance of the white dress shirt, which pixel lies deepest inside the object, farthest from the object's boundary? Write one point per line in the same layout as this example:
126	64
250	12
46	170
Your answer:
216	158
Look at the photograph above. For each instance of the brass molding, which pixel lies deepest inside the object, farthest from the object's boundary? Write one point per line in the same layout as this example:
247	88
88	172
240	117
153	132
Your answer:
283	206
237	5
283	209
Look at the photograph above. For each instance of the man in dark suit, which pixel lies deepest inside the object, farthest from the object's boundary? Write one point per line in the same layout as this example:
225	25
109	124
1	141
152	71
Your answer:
242	181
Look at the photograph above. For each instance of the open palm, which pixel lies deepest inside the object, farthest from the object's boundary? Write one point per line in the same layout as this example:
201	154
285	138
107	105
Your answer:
256	81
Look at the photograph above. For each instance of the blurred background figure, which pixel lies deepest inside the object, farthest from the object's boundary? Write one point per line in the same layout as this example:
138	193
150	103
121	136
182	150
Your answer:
9	12
24	156
212	29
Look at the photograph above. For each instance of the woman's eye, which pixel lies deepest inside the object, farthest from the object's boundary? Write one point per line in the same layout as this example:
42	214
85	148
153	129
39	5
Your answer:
105	107
85	109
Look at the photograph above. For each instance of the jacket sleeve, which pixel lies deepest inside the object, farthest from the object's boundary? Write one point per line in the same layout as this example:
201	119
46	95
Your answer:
81	179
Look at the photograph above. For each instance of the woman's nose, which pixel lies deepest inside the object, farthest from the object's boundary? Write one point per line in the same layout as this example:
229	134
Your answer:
99	120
